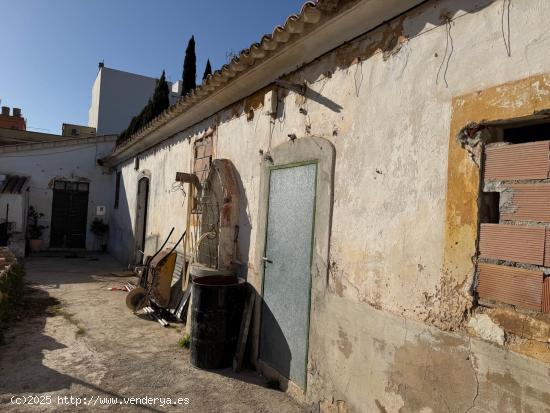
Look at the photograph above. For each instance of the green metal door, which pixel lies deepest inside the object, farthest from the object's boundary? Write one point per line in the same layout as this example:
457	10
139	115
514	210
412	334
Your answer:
287	271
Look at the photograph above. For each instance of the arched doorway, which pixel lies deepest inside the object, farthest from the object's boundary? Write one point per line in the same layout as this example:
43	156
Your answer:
142	201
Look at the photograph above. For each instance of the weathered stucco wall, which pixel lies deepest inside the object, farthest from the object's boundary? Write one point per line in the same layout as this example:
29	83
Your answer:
167	202
398	273
16	209
68	162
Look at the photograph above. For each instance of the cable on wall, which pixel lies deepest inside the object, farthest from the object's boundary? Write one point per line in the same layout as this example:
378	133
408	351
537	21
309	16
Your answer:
448	53
505	21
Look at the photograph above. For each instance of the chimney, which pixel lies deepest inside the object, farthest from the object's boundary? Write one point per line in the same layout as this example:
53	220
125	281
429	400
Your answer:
101	64
5	110
17	112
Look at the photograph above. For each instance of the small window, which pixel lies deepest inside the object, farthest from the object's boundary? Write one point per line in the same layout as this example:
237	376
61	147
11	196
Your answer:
59	185
117	189
83	187
72	186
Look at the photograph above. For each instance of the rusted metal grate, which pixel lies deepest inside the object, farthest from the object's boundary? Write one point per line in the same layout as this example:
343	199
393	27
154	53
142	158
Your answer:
546	295
202	158
529	203
516	162
516	286
512	243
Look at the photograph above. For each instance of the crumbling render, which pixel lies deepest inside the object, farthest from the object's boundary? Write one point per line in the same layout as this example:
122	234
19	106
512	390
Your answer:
472	138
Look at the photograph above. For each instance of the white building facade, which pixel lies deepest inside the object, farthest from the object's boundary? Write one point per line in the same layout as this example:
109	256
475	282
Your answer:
118	96
65	184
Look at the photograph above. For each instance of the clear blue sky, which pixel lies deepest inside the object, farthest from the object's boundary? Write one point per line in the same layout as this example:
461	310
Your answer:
49	49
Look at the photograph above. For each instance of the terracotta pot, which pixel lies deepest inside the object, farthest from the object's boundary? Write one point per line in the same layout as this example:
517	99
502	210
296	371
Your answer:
36	245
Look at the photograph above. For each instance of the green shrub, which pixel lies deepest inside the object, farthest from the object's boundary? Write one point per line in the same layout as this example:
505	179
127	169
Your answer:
185	341
11	294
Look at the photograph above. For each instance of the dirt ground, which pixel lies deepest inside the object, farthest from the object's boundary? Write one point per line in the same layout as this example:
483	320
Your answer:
76	338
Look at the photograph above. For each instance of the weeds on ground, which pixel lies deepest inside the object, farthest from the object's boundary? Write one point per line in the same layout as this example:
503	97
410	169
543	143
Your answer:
80	331
60	311
185	341
11	294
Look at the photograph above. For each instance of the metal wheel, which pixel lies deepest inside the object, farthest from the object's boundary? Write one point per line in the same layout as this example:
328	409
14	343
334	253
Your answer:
136	299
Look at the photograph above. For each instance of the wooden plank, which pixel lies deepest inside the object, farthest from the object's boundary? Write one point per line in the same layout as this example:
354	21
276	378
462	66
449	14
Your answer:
243	334
181	311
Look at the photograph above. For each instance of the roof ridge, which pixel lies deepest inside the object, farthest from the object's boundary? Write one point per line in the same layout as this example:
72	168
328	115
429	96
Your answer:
310	14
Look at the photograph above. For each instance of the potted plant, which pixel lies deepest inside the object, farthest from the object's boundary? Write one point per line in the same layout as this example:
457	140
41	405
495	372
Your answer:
100	229
34	229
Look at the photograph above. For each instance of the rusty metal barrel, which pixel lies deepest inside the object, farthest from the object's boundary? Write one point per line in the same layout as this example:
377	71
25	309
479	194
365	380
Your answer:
216	312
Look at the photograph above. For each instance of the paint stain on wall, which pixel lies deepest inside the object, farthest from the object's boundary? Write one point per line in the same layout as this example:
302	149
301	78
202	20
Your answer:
511	394
434	375
344	344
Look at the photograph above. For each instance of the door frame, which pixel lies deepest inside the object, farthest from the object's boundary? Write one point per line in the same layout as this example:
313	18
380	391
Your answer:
86	215
298	152
145	175
264	253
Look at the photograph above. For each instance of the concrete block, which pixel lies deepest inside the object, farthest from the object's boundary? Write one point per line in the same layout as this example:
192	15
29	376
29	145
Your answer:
522	325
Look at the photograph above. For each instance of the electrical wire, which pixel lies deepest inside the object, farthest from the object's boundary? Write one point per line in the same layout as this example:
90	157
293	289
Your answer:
446	59
506	10
358	68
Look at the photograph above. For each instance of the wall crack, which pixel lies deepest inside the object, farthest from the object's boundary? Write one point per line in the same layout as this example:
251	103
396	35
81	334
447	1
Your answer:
470	359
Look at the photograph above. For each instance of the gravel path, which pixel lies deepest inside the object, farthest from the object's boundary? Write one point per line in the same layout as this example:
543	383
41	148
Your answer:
76	338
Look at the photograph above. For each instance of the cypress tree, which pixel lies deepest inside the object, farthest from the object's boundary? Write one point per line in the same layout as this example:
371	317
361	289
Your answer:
189	74
154	107
207	69
161	99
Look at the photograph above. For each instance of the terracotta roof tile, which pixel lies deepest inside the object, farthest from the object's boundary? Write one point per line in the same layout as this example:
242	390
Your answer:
311	13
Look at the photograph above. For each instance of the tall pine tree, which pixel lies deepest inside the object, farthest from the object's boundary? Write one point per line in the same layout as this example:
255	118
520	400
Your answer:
189	74
207	69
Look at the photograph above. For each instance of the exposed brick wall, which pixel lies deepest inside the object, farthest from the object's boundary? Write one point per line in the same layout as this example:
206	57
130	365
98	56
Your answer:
518	246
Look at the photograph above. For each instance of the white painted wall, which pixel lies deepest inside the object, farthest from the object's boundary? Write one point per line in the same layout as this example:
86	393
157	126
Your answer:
167	206
16	209
121	96
93	112
67	162
118	96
